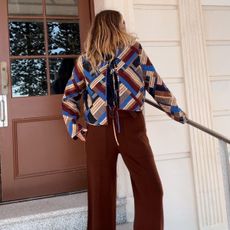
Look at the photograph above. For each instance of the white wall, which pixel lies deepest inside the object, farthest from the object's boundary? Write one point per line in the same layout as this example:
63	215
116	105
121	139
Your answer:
157	25
217	34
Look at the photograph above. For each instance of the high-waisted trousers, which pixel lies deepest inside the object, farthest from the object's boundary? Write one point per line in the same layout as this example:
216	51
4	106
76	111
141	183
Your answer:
102	151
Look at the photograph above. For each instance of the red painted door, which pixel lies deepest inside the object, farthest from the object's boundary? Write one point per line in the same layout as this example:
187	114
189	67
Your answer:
39	41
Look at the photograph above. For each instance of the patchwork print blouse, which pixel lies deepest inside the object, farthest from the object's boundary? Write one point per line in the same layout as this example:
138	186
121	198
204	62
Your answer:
136	75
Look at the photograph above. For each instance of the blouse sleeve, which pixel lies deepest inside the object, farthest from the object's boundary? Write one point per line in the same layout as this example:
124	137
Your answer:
158	90
71	100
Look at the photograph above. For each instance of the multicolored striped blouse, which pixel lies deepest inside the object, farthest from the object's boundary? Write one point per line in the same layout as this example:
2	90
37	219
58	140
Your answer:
136	75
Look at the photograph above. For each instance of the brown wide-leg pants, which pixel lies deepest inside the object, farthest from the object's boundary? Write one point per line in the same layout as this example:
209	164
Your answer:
102	152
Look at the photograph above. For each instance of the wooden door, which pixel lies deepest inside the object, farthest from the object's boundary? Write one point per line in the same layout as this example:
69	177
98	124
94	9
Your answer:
39	41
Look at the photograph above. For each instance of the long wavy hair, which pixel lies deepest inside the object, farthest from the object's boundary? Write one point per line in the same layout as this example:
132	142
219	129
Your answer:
106	34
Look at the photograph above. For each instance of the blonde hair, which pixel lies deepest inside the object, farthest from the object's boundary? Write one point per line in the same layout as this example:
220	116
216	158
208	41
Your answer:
105	36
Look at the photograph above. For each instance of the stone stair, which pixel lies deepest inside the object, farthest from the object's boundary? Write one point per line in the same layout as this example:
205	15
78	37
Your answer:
66	212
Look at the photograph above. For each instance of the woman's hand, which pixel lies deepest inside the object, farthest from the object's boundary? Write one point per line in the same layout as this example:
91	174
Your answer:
82	134
185	117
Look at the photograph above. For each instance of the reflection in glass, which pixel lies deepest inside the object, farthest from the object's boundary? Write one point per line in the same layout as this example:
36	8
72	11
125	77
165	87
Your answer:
60	72
64	38
60	7
28	77
28	7
26	38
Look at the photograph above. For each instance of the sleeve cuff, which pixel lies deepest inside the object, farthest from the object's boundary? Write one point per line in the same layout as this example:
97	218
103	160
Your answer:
79	128
182	119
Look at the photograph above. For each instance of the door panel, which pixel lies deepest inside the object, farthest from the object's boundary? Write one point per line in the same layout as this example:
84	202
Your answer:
41	40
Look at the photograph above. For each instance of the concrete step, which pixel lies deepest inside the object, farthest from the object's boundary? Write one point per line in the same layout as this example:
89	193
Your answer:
67	212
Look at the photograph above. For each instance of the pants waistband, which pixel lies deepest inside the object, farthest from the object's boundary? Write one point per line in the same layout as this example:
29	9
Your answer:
124	113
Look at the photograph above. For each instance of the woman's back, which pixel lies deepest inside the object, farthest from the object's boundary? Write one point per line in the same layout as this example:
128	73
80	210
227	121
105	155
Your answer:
122	85
128	70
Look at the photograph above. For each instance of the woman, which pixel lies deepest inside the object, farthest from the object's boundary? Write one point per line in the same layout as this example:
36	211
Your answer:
113	76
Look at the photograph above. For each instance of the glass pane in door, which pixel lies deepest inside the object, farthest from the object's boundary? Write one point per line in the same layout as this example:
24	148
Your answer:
60	7
44	38
26	38
64	37
25	7
60	72
28	77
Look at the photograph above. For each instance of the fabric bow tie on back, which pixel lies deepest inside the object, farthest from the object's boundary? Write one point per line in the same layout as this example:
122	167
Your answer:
113	91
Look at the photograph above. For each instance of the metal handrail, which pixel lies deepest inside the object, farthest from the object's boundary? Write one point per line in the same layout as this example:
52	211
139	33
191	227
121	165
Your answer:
195	124
223	154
